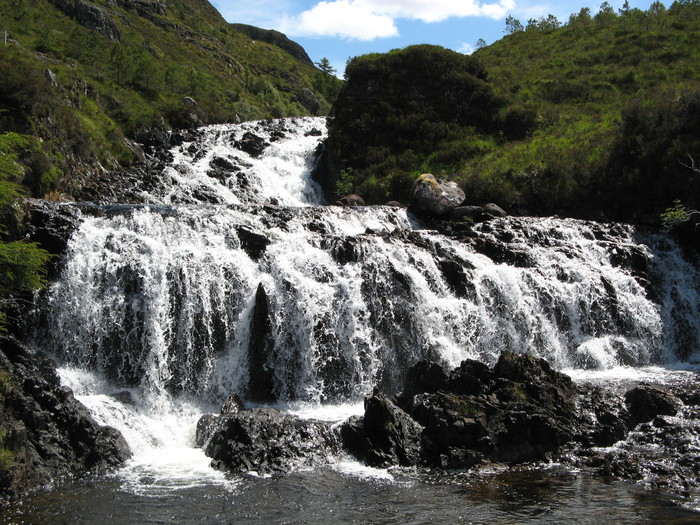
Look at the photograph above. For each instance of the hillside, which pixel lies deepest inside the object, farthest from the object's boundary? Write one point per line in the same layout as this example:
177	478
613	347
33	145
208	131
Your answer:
597	117
82	76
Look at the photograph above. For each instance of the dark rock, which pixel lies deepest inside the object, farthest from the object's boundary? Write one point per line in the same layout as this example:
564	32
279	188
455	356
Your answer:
315	132
232	405
646	402
50	434
261	379
386	435
267	441
253	242
252	144
471	212
433	197
518	411
494	210
224	164
189	101
393	204
207	425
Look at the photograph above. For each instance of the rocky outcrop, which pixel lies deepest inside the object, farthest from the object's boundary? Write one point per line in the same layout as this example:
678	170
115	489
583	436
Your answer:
90	16
435	198
521	410
46	435
252	144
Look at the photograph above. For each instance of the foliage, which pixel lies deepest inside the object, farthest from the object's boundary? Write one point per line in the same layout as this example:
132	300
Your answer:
416	105
22	264
675	215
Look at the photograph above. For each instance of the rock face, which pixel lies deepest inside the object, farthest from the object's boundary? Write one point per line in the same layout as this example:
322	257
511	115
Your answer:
45	433
266	441
433	197
90	16
521	410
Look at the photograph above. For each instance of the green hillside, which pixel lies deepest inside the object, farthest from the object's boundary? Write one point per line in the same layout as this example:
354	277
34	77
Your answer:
599	116
81	76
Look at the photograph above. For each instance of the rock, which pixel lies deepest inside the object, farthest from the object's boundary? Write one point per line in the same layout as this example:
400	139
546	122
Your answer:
471	212
90	16
307	99
51	77
314	132
261	379
189	101
494	210
518	411
393	204
267	441
252	144
646	402
351	200
253	242
433	197
49	433
386	435
232	405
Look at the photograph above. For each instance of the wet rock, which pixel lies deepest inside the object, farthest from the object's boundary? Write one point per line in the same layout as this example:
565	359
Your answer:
232	405
386	435
254	243
433	197
267	441
518	411
495	210
261	382
252	144
646	402
49	433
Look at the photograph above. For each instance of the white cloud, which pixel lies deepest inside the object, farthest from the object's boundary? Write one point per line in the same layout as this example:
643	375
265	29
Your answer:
370	19
343	18
466	49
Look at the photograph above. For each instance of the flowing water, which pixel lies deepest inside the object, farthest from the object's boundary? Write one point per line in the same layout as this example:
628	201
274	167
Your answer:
231	277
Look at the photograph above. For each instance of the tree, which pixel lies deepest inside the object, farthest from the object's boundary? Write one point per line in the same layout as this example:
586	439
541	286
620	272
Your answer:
325	66
513	25
481	43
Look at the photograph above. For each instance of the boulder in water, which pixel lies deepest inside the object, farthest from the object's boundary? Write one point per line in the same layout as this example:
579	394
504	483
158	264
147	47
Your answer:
252	144
266	441
646	402
351	200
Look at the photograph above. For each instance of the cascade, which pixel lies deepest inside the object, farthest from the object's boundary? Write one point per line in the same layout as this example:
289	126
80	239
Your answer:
230	277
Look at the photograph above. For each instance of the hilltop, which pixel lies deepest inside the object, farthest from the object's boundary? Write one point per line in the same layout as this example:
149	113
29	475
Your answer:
595	117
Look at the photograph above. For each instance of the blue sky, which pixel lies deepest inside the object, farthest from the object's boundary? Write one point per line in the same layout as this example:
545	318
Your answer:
342	29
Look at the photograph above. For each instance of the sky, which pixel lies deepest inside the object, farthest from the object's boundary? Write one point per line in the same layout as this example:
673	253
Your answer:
342	29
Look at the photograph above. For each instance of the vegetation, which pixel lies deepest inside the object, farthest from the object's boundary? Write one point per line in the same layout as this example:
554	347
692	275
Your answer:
22	264
597	115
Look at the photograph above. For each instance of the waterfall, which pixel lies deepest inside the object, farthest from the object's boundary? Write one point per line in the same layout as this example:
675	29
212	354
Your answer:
231	278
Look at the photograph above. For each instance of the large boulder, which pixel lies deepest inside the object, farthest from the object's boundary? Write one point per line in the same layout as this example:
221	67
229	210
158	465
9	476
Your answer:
434	197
